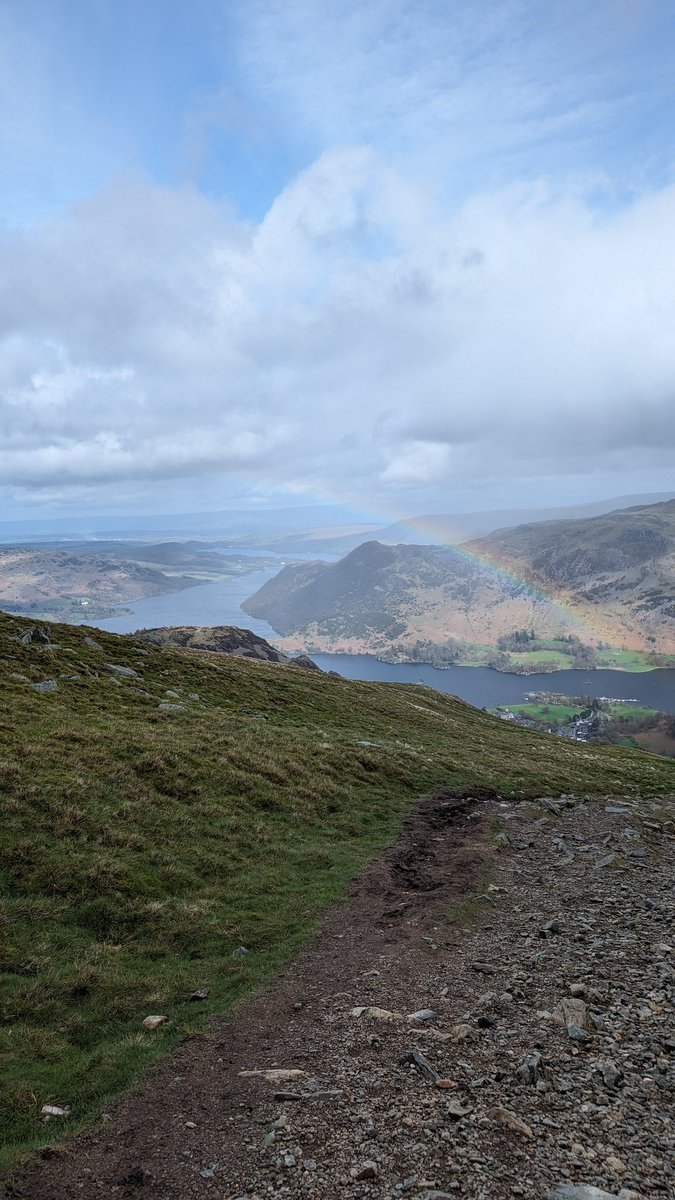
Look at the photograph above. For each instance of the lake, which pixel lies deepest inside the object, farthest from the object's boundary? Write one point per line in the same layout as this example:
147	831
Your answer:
484	687
219	603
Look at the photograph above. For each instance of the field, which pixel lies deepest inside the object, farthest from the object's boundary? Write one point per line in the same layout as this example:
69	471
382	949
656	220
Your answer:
560	713
143	847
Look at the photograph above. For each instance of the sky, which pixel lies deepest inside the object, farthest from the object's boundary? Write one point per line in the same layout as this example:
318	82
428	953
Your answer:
402	255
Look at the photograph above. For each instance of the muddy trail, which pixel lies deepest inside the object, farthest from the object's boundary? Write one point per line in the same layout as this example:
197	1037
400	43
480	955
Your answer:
487	1015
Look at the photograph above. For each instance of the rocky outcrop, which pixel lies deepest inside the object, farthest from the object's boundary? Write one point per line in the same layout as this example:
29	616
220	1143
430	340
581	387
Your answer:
224	639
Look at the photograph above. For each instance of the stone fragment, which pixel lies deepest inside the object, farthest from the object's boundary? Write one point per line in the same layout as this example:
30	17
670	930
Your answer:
484	968
375	1014
577	1033
528	1071
550	928
117	669
153	1022
579	1191
424	1014
455	1108
571	1011
274	1074
199	994
421	1064
367	1170
46	686
510	1120
240	952
48	1111
165	706
459	1033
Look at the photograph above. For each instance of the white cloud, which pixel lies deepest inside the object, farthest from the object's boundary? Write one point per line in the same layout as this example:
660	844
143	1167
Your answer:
418	462
354	333
432	298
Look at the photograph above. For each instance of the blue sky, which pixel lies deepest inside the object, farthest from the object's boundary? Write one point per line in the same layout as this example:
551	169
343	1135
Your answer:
411	255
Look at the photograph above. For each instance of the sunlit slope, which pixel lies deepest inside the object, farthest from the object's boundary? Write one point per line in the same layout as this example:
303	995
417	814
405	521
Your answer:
144	845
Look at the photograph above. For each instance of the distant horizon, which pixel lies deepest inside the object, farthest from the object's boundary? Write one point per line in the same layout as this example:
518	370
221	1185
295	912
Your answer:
309	516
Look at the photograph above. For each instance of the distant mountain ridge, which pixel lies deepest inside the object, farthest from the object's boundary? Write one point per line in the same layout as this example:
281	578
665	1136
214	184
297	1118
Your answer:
609	578
446	529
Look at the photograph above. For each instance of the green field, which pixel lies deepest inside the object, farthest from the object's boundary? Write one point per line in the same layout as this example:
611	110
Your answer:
561	713
143	847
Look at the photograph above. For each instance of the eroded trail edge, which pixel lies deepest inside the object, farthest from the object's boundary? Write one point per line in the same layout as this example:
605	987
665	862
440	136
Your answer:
489	1014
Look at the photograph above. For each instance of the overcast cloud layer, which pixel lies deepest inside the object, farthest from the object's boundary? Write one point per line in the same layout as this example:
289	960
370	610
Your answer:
454	270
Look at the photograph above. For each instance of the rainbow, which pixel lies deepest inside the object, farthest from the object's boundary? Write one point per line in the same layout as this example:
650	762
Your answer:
591	625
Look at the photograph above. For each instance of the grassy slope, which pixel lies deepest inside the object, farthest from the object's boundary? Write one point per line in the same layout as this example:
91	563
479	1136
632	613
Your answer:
143	847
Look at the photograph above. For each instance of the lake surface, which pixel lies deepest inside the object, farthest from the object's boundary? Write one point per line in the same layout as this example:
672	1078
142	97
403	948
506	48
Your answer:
217	603
220	604
484	687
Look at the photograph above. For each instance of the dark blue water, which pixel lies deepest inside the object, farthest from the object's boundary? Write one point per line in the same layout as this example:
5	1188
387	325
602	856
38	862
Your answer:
483	687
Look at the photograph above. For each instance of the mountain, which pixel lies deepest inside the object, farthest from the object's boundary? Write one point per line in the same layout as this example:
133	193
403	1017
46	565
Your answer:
92	579
57	582
452	529
606	579
174	822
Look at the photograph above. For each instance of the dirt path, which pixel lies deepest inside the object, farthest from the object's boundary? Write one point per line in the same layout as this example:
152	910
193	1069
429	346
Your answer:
533	1096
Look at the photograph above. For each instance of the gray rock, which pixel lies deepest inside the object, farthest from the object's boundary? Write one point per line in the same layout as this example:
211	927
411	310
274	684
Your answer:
529	1070
91	644
549	928
239	952
571	1011
578	1034
165	706
45	686
579	1191
122	672
367	1170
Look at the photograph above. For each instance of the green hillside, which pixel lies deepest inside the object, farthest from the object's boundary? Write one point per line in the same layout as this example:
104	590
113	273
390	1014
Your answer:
143	846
